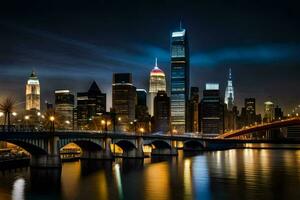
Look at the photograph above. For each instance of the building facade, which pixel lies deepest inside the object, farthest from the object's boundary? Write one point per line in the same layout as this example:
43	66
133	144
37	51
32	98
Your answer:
162	112
157	83
180	80
124	100
192	114
64	109
229	93
89	105
212	111
33	93
141	112
269	111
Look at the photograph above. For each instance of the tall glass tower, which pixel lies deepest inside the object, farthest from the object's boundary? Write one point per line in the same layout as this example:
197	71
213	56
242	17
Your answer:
157	83
229	93
180	80
33	96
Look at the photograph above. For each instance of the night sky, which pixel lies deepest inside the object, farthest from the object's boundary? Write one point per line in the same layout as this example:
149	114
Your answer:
70	44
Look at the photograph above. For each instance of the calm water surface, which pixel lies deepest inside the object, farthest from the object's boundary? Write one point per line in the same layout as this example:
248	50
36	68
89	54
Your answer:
232	174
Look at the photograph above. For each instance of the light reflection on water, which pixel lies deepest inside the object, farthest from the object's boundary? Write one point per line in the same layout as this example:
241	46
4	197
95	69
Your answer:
232	174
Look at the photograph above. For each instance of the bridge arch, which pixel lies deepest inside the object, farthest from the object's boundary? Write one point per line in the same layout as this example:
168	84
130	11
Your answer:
33	147
126	145
161	144
193	145
84	144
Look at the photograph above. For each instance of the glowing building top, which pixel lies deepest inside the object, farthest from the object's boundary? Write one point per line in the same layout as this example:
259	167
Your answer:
33	96
157	83
229	92
157	79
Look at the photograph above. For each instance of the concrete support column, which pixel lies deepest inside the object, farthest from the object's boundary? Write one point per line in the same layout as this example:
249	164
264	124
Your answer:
49	160
45	161
140	145
171	151
100	154
135	152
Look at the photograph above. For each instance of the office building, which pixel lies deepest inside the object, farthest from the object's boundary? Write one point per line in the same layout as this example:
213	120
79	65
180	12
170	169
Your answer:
141	112
157	83
124	100
33	95
192	113
64	109
162	112
90	104
269	111
212	111
229	93
180	80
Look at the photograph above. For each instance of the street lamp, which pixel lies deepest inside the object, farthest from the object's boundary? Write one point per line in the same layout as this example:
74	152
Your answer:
26	121
142	130
105	123
52	119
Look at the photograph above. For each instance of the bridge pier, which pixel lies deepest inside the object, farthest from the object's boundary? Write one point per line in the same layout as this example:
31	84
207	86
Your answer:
135	152
165	151
49	160
101	154
45	161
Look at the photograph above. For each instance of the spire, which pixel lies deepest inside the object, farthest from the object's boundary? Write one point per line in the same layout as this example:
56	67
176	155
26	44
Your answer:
230	73
33	74
155	66
180	25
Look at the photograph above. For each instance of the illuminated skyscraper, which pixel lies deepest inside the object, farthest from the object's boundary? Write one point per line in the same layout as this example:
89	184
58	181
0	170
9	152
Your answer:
269	111
180	80
124	100
33	96
157	83
229	93
211	111
64	109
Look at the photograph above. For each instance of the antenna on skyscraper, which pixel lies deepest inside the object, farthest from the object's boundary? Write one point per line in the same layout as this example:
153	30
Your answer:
156	63
180	25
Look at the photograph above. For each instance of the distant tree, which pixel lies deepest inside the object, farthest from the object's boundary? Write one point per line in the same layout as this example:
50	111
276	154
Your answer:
7	107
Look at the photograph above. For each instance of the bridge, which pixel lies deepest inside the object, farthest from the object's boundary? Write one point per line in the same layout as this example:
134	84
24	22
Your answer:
260	127
44	147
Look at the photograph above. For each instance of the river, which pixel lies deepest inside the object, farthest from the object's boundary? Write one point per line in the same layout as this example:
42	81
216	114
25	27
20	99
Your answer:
231	174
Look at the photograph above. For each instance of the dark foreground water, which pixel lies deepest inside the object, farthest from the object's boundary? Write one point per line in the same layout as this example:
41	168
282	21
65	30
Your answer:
232	174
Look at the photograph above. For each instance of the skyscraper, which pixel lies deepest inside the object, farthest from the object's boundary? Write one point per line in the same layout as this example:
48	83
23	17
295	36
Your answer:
180	79
162	112
269	111
89	105
141	111
250	111
193	114
212	111
64	108
229	93
33	95
157	83
124	99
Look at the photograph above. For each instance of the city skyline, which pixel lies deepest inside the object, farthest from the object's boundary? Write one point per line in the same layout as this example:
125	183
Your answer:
80	53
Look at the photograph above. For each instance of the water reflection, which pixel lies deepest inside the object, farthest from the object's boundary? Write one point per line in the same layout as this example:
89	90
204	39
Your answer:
18	189
232	174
